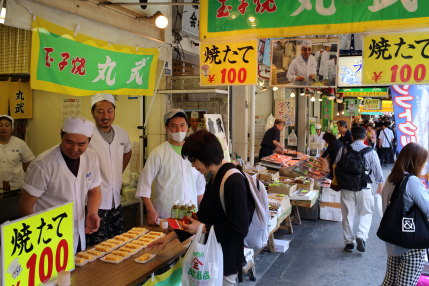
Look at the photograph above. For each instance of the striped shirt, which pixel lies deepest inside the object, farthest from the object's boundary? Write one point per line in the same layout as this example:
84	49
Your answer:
372	162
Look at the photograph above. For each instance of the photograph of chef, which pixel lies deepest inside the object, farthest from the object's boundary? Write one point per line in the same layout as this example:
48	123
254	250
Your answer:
67	172
332	71
194	122
302	69
325	54
15	156
318	137
113	147
173	177
271	140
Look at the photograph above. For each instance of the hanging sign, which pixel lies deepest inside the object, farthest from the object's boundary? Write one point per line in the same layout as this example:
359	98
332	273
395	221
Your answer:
82	65
275	18
363	92
284	109
37	247
351	107
191	19
20	100
371	104
327	113
396	59
232	63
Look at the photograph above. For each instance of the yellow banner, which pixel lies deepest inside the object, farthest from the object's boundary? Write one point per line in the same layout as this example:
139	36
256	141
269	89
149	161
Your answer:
20	100
36	248
371	104
231	63
396	59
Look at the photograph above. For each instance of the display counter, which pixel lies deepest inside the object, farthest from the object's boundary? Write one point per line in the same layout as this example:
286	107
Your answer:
127	272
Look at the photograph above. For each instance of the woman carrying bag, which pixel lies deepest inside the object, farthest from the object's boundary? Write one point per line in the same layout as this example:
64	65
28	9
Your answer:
404	265
230	227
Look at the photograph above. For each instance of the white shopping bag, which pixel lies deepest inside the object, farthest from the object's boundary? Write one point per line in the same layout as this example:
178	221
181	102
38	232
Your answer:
378	204
203	264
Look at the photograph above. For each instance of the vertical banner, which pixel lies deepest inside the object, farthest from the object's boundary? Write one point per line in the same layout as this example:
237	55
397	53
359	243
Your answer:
214	124
20	100
351	107
327	113
228	63
411	106
285	109
37	247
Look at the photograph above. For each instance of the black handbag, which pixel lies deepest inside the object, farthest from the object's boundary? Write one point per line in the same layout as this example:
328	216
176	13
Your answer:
410	229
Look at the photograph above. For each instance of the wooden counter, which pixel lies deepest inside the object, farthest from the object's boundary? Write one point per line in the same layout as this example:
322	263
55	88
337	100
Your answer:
127	272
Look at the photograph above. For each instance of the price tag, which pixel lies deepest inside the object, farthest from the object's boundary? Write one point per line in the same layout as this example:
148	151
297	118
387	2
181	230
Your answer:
232	63
37	247
396	59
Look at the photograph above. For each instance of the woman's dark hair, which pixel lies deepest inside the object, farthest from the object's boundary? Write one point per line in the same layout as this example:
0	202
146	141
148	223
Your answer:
203	146
411	159
358	133
329	138
278	121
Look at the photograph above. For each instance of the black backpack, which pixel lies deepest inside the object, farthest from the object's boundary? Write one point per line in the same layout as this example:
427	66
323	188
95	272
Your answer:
350	170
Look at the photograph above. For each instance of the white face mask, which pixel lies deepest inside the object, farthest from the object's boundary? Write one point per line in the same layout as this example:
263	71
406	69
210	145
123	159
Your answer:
177	136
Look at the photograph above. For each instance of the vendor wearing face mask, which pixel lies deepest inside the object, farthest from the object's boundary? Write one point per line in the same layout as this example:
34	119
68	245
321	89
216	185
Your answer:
174	178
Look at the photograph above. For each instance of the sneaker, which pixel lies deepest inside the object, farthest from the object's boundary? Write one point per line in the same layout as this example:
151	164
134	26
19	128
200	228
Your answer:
349	247
360	244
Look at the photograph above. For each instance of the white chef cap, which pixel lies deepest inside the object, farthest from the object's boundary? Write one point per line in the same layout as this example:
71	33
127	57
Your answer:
5	116
102	96
194	114
78	125
318	126
306	43
326	44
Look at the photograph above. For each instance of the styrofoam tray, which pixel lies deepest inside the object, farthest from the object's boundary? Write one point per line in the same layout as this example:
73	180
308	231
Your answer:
152	256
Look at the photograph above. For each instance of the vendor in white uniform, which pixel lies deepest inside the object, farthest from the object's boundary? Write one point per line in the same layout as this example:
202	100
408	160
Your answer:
302	70
67	172
113	147
194	123
15	156
173	178
318	137
324	61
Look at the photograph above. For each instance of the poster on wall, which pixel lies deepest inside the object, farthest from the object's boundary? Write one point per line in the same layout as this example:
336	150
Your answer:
411	105
214	124
285	109
71	107
300	63
191	19
350	71
351	107
196	120
82	65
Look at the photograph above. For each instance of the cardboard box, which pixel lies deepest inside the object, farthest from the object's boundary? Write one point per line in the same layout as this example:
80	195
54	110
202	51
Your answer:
330	213
285	189
330	204
268	176
306	203
307	186
279	200
329	195
272	224
281	245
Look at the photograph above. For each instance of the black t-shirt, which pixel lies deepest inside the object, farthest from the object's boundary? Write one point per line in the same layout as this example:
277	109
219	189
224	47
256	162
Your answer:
272	134
72	164
347	138
230	229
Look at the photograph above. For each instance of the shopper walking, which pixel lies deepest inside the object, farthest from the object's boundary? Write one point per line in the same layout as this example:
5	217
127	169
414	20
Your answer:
360	200
345	134
334	145
404	265
386	143
205	152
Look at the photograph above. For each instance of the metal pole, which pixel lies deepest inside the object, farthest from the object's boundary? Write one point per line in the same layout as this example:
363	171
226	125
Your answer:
252	124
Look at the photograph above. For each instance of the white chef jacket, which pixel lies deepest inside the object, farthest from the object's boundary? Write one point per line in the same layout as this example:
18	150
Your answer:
173	179
386	136
111	158
12	155
49	179
314	138
191	131
324	60
299	67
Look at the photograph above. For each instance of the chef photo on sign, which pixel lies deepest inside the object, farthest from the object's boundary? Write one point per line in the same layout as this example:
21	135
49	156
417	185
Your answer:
304	63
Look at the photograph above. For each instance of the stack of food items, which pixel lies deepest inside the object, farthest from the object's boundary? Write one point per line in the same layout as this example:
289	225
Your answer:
276	160
119	248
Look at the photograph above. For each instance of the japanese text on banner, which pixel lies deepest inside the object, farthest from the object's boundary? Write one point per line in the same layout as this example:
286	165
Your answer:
232	63
371	104
396	59
37	247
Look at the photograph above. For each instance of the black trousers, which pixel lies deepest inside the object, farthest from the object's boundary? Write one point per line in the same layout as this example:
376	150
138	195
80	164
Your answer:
385	155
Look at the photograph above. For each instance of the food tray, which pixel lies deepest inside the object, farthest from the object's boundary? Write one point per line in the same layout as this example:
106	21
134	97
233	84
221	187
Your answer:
152	256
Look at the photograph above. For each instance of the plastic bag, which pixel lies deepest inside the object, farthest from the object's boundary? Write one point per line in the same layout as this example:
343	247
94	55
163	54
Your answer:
203	264
378	205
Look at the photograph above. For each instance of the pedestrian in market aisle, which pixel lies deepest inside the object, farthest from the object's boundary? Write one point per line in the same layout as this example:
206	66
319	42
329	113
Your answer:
303	69
271	140
113	147
231	224
15	156
330	154
362	201
404	265
68	172
345	134
386	143
174	178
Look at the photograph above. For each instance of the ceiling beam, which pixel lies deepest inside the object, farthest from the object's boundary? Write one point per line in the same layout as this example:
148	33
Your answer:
119	17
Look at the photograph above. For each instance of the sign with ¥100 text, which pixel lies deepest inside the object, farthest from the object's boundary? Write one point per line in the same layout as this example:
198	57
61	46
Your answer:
280	18
371	104
82	65
390	59
37	247
231	63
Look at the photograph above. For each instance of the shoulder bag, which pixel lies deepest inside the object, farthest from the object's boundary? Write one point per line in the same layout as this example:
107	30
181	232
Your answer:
406	229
